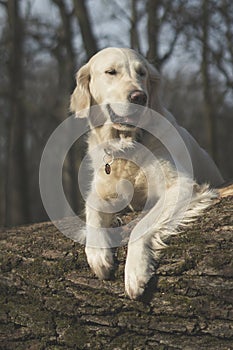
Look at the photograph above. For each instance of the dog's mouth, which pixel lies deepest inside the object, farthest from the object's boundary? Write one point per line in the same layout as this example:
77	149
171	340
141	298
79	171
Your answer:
129	120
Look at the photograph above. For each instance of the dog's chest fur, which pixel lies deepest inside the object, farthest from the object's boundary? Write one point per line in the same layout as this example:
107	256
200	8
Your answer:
129	163
110	185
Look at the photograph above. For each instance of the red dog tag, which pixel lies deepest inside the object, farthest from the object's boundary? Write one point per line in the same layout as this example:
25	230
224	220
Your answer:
107	169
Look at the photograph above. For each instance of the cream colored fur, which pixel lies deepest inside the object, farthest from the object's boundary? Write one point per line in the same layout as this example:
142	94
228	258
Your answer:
104	82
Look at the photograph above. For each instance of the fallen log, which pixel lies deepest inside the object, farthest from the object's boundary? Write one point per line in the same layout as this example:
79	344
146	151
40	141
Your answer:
50	299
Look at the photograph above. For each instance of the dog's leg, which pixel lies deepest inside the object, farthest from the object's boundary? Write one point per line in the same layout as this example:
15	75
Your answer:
101	238
101	261
139	268
179	205
99	251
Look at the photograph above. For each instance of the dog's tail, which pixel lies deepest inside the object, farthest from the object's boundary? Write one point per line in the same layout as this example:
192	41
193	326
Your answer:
181	204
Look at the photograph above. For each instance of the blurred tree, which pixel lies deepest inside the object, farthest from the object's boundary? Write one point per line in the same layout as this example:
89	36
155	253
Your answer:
153	30
89	41
205	76
66	58
162	14
208	30
64	50
222	51
189	41
134	35
16	179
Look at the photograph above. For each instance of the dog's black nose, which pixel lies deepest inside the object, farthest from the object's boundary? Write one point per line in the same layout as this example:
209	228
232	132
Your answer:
137	96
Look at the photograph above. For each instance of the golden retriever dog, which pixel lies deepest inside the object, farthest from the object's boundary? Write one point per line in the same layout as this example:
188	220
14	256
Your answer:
141	159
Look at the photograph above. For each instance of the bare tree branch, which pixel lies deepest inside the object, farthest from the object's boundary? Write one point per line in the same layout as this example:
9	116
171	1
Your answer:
4	3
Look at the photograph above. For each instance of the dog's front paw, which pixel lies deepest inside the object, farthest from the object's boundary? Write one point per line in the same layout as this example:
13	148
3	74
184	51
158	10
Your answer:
136	282
101	261
135	285
139	269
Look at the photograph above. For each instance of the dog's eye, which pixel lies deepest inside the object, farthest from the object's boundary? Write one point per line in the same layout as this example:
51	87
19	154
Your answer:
111	71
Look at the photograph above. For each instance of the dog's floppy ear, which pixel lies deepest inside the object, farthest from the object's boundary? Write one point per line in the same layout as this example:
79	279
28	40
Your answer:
80	100
154	88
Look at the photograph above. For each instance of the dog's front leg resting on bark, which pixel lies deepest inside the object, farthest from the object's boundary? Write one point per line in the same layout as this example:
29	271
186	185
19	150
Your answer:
98	249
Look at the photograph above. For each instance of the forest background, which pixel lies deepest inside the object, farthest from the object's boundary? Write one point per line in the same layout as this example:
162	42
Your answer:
42	45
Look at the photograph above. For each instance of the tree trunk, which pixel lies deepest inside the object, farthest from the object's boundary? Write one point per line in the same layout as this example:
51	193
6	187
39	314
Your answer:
51	300
208	111
89	41
134	37
17	207
67	70
153	27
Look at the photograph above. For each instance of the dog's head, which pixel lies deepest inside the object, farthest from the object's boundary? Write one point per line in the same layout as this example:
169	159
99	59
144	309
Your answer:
122	82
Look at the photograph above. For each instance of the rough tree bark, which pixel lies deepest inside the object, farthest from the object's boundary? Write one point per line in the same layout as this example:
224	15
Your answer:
51	300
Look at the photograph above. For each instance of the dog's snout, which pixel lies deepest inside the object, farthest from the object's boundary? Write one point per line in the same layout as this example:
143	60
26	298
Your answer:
137	96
